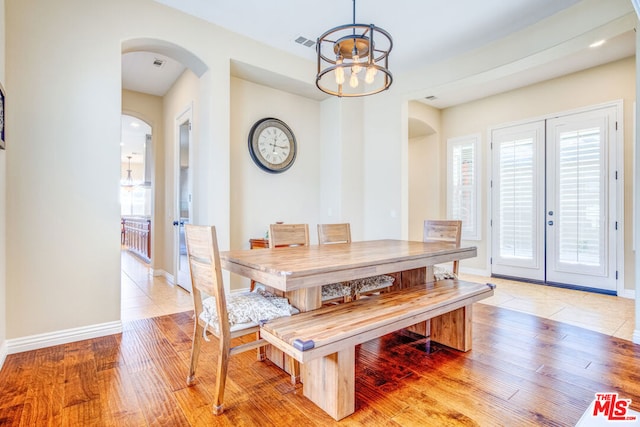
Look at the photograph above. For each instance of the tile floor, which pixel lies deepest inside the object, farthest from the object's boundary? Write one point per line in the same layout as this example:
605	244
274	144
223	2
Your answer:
146	296
606	314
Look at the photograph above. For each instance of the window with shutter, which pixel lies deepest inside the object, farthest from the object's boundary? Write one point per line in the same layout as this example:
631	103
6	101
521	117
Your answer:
463	184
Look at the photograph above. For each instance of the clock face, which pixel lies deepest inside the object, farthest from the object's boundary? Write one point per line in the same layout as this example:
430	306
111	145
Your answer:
272	145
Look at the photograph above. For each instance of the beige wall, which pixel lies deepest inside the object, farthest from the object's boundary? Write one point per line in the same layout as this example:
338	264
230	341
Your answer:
63	168
63	175
342	164
594	86
427	173
3	209
259	198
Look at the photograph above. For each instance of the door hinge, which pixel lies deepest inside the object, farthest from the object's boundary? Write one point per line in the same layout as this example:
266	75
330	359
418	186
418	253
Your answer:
616	275
616	175
616	225
491	260
491	145
616	125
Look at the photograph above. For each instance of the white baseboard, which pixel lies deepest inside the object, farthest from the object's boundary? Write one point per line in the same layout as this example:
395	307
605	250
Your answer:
476	271
34	342
3	353
628	293
169	277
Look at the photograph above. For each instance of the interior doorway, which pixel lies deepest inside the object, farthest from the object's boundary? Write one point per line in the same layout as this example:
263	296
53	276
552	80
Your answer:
183	202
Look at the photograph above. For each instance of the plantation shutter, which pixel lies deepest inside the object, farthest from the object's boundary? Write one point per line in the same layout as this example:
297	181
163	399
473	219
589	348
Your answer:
462	200
516	193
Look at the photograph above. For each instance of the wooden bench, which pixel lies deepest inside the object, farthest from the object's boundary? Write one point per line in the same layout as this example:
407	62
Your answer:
324	340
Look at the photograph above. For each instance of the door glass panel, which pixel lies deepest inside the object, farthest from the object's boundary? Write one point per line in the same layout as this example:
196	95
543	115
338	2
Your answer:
516	214
517	208
580	171
184	204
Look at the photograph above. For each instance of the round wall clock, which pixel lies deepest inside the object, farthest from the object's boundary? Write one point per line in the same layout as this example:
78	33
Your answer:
272	145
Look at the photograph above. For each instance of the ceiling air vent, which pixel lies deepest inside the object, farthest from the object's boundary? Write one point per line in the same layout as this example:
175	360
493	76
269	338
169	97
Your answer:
430	97
305	41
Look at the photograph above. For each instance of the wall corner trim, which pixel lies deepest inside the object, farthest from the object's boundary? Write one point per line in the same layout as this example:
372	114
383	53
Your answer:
3	353
34	342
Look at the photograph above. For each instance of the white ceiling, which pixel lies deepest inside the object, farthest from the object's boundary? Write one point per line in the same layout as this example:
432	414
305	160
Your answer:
424	32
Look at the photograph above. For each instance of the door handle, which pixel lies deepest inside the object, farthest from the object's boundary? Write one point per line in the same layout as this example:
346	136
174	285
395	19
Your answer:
550	223
178	223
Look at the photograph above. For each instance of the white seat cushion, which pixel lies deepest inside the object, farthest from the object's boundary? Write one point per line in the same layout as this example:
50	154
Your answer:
441	273
247	309
371	284
335	290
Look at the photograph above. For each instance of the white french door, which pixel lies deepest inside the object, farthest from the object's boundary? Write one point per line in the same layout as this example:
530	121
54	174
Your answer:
183	202
581	194
554	198
518	201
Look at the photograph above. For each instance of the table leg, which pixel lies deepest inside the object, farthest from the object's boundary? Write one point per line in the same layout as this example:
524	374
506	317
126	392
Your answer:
329	382
305	299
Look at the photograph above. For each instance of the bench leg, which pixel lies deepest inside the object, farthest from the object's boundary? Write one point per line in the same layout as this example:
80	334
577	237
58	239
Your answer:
329	382
453	329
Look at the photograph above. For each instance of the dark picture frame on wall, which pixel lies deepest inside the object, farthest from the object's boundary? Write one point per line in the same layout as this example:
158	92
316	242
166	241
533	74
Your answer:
2	144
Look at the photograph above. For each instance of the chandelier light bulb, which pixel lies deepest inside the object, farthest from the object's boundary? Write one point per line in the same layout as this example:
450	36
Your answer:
339	71
371	75
356	64
353	81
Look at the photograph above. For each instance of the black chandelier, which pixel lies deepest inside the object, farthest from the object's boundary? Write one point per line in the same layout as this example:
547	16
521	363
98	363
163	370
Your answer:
351	53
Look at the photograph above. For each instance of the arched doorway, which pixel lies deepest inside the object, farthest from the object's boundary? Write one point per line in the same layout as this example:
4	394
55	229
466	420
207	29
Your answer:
154	72
424	169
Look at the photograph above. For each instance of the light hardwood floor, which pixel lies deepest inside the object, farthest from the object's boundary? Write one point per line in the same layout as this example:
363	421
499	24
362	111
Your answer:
144	296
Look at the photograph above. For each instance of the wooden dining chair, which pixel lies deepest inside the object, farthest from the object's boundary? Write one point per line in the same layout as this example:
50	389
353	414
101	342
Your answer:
329	234
341	233
283	235
225	317
443	231
334	233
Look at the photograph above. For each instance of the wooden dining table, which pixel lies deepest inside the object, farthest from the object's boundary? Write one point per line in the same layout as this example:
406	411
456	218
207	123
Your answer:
299	272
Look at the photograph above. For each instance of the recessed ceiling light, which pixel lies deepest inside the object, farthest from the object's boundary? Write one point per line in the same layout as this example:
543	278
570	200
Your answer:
597	44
